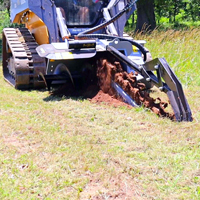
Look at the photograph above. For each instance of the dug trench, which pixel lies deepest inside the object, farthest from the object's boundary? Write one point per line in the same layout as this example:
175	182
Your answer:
101	90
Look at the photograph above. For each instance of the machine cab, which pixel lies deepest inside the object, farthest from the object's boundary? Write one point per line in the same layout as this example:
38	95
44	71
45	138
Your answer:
81	13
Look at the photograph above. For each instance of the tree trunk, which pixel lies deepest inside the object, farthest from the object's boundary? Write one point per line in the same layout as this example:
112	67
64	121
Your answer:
145	16
133	20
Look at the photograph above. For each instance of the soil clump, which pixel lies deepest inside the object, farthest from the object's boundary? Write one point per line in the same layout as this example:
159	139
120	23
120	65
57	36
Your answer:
101	91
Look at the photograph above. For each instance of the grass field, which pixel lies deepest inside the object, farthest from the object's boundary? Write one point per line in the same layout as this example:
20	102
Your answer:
63	148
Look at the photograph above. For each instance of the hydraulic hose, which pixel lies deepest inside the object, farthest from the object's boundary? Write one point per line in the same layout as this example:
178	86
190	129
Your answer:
103	25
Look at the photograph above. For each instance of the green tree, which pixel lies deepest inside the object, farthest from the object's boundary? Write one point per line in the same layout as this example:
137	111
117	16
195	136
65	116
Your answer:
193	9
4	4
171	9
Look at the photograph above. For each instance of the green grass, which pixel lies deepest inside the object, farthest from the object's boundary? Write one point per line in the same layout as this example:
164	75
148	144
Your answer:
62	148
181	50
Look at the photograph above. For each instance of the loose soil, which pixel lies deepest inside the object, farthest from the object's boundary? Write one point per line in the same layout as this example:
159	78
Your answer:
103	92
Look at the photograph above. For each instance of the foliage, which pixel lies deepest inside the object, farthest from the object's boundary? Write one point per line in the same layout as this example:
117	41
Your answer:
173	13
4	4
4	19
177	10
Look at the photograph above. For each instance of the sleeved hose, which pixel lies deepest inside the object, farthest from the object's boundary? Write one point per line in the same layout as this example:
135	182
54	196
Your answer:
103	25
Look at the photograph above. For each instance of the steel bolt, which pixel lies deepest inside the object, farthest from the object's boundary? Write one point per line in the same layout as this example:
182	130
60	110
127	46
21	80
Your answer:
161	88
156	67
148	79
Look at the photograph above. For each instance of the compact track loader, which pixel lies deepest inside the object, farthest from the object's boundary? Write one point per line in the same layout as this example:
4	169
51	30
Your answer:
81	42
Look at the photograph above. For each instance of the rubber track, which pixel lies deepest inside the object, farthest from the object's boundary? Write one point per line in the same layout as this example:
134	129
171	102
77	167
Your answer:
23	74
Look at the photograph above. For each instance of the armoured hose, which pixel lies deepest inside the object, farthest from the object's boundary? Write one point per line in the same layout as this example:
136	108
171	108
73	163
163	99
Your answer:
103	25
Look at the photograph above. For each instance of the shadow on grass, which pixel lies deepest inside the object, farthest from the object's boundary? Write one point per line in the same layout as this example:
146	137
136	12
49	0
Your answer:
67	91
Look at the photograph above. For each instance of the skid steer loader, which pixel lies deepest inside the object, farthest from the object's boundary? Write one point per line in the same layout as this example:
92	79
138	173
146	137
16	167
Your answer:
78	42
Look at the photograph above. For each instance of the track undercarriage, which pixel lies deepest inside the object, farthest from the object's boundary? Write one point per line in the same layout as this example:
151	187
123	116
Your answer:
21	62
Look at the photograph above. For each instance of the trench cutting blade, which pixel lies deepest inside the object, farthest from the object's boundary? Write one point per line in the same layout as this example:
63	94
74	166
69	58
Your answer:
165	80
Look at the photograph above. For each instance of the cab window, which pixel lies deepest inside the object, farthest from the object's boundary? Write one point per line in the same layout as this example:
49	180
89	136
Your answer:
80	12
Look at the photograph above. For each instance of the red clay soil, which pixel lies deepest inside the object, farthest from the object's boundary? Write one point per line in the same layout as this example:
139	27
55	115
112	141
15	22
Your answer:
107	71
102	97
102	92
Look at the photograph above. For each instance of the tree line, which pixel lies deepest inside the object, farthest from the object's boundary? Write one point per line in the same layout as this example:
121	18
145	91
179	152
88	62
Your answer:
151	13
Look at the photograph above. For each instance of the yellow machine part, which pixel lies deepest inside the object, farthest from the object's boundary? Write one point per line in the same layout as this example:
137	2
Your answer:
36	27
